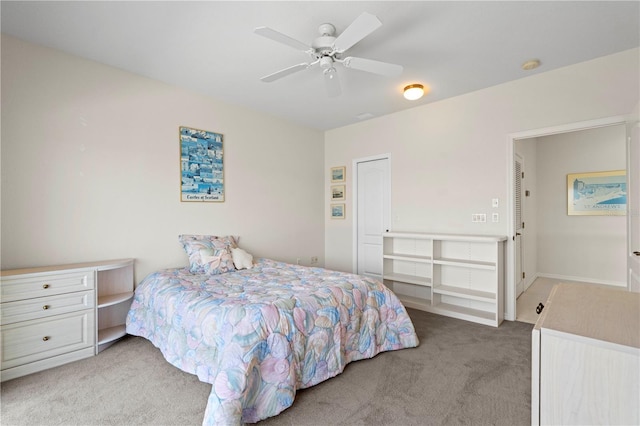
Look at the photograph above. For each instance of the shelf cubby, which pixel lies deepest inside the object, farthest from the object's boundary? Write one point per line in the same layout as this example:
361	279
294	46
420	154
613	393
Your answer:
114	282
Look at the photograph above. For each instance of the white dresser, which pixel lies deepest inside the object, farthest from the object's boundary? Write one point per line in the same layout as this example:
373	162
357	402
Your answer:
586	357
53	315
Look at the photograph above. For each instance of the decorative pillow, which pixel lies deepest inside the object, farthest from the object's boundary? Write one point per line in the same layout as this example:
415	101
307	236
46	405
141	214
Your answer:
241	259
208	254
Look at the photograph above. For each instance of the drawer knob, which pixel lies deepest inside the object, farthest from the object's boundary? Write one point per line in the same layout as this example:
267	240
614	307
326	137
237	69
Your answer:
45	307
45	285
45	338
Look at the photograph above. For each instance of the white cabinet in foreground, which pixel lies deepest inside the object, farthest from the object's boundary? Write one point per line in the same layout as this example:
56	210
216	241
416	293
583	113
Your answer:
586	357
461	276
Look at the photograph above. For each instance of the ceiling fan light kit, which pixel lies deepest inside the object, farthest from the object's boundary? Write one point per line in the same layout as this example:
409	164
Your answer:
413	92
326	50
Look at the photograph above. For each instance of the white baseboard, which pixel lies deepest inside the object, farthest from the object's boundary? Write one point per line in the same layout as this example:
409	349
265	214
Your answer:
582	279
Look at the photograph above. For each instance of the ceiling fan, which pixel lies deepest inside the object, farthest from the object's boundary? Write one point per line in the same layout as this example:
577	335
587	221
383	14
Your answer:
327	50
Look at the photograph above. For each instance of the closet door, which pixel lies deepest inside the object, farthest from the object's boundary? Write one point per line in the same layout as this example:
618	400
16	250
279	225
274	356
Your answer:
372	198
519	225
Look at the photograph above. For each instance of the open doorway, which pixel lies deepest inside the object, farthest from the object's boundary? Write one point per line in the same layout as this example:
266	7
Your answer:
541	258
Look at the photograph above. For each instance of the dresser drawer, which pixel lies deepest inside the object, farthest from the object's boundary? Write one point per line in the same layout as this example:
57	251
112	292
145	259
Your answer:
34	340
40	307
19	287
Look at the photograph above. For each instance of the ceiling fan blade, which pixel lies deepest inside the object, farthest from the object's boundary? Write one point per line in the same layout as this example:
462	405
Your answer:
369	65
332	83
285	72
281	38
364	25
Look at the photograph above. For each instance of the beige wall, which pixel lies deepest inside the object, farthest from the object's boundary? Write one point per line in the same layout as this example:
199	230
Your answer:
90	168
449	158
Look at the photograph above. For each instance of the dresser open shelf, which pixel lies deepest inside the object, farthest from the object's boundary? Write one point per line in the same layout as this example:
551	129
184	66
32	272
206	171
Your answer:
115	291
461	276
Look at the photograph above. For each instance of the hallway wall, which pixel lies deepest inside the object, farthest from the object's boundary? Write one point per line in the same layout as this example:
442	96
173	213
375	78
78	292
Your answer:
580	248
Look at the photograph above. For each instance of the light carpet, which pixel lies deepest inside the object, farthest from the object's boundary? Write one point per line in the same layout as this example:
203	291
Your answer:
462	373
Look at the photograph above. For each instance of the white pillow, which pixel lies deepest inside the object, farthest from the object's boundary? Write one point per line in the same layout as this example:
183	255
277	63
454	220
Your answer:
211	258
241	259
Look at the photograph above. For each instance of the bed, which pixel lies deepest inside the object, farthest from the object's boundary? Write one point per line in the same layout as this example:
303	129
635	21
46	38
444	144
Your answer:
259	334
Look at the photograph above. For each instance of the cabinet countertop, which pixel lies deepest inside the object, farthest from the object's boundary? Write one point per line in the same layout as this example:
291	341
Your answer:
607	314
53	268
451	237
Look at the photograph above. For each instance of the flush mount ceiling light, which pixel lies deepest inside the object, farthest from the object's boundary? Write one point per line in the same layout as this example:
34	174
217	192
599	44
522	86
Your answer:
413	91
531	65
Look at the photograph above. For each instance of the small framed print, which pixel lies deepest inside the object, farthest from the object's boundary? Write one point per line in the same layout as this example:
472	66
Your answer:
338	174
337	211
337	193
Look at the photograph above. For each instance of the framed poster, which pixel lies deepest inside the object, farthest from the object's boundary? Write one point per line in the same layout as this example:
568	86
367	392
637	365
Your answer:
597	193
201	166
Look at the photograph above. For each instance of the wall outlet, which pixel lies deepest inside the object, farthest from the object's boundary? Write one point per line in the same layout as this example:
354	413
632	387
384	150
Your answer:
478	217
495	218
314	260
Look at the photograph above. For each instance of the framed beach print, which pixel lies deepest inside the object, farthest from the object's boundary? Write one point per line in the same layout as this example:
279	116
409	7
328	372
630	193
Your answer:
201	166
337	193
337	211
338	174
597	193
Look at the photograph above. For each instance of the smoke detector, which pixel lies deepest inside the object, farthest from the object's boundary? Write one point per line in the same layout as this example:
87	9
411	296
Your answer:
531	65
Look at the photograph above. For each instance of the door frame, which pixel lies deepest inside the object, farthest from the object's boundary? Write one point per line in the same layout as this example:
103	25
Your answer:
633	205
354	204
510	281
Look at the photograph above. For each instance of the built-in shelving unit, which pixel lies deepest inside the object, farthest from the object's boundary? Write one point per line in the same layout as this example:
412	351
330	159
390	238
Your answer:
461	276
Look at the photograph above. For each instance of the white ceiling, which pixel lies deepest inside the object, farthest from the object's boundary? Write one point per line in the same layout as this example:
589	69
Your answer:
209	46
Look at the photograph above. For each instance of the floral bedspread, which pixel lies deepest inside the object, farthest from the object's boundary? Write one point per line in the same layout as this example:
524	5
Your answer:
259	334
